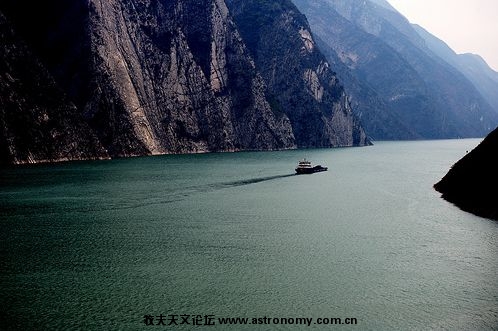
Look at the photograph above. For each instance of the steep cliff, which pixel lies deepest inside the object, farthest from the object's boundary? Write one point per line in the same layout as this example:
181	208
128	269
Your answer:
157	76
37	120
385	53
183	77
471	183
300	81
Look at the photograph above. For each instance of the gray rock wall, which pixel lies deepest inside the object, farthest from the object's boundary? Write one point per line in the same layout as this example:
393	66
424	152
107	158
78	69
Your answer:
300	82
162	76
183	79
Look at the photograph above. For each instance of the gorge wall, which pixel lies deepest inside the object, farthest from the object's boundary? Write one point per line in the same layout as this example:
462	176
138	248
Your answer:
154	76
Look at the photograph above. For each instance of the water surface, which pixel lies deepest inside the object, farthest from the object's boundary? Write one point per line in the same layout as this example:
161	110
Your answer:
98	245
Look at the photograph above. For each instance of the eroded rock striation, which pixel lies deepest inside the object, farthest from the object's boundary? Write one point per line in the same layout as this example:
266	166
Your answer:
299	80
157	76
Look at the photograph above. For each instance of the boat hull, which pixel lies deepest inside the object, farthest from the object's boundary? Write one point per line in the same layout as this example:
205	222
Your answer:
308	171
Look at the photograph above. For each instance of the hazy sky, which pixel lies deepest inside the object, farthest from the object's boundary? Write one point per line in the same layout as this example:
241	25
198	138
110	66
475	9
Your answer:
467	26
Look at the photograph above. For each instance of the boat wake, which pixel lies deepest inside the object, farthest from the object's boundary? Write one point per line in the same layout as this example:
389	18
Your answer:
187	192
251	181
160	197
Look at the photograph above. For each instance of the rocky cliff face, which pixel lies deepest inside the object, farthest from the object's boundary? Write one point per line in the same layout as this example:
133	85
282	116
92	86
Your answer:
37	120
182	78
416	87
471	182
300	81
157	76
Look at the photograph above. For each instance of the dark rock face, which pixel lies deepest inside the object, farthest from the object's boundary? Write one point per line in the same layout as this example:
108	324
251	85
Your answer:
410	83
471	183
37	121
161	76
300	81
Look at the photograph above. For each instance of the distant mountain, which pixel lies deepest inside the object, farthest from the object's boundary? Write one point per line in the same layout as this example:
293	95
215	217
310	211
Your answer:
389	61
300	82
375	113
472	66
383	3
471	183
153	77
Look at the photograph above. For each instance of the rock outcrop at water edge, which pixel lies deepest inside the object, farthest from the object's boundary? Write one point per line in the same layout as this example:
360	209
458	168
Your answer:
472	182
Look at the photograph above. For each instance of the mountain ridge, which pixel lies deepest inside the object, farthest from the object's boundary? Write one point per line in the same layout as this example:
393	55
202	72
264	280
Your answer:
381	48
298	77
155	77
473	66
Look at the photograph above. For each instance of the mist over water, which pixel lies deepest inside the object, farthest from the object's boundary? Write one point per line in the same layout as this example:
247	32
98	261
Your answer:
98	245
